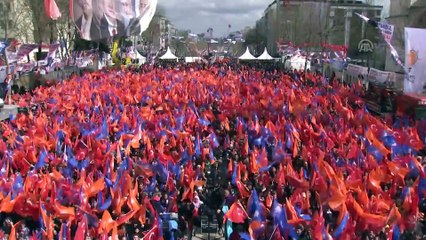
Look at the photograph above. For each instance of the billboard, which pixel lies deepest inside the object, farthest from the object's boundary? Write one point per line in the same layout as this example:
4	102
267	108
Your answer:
102	19
415	61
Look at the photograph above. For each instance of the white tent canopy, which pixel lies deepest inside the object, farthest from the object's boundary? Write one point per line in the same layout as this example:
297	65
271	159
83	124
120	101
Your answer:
135	55
265	56
169	55
247	55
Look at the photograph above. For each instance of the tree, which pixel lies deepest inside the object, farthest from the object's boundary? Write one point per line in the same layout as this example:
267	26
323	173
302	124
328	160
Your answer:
16	20
44	28
255	39
64	25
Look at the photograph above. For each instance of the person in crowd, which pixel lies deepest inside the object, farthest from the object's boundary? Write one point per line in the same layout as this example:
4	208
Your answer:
6	89
277	155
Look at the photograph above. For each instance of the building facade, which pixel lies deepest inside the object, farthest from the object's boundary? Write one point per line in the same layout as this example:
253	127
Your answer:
401	14
310	23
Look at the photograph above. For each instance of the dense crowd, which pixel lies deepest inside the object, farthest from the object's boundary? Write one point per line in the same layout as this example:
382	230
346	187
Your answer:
268	154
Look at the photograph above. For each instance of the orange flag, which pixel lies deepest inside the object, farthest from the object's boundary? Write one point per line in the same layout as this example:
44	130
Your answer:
7	204
114	235
126	217
12	235
64	212
394	216
378	144
96	187
106	224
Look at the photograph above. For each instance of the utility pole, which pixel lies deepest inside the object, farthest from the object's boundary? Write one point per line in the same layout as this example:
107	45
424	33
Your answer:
364	13
348	16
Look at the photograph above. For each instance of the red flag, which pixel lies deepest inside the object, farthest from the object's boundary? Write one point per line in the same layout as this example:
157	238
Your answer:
51	9
353	151
254	168
81	229
263	158
236	213
151	234
243	189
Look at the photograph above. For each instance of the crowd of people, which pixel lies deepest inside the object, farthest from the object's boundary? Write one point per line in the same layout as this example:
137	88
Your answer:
267	154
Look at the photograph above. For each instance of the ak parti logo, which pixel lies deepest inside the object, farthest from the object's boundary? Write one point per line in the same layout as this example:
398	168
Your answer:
412	57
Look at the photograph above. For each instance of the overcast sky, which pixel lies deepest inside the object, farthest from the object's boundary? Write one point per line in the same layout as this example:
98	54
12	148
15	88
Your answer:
199	15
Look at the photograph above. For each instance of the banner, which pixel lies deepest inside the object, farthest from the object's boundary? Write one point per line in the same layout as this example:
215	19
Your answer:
415	60
356	70
102	19
378	76
11	51
15	52
387	31
52	50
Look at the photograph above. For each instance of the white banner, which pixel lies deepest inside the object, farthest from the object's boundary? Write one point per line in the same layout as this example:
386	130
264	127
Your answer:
379	76
355	70
415	60
387	31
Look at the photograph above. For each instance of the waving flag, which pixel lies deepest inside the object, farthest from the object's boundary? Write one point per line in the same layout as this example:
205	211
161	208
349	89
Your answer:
51	9
387	33
280	219
254	208
236	213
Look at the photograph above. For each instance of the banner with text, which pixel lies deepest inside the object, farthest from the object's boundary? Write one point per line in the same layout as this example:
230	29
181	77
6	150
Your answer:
387	31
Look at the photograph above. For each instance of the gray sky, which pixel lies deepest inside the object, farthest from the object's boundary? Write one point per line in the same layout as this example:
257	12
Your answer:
199	15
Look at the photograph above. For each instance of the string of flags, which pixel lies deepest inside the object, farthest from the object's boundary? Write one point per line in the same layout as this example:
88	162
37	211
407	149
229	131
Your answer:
386	31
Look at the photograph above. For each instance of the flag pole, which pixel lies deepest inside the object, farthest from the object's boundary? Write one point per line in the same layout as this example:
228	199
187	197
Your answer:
273	233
